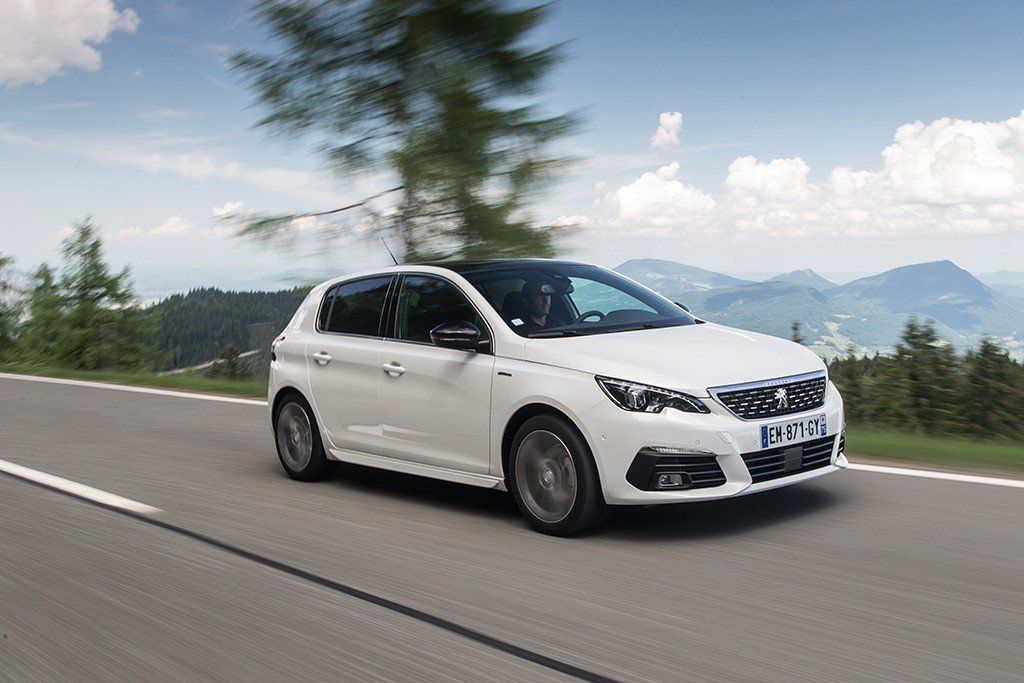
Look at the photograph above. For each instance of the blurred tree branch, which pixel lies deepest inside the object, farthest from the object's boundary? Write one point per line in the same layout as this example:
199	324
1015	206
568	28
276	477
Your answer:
436	94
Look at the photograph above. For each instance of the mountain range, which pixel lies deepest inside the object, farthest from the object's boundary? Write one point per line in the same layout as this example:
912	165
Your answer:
863	316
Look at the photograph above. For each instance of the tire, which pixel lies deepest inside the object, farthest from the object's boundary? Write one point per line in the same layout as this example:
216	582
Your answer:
299	446
553	477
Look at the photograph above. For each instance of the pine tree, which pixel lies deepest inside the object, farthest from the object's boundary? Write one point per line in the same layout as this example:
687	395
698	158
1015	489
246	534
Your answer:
795	334
435	94
993	392
39	338
927	372
229	366
8	309
101	325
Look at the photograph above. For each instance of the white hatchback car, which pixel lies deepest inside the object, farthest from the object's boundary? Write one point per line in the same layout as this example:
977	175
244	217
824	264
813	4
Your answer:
567	384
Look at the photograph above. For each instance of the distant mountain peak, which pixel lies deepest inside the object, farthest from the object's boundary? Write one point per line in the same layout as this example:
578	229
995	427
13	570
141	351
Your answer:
806	277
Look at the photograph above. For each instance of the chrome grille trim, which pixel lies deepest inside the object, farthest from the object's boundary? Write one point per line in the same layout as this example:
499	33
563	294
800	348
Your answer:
751	400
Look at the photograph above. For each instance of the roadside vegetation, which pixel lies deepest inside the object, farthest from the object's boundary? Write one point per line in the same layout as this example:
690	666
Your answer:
184	382
924	387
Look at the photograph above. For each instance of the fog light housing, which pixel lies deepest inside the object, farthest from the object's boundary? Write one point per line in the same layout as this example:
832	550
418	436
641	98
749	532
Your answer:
672	480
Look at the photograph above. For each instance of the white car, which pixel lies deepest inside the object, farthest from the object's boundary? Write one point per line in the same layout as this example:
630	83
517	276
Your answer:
567	384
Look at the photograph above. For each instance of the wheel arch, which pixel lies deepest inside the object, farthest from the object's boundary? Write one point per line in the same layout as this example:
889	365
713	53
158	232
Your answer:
279	398
519	418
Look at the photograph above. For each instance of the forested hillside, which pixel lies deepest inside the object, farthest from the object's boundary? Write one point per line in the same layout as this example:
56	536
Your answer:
195	327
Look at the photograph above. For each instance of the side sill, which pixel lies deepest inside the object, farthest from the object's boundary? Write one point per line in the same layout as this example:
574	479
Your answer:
419	469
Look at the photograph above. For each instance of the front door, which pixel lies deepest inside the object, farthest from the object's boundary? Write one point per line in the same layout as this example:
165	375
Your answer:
343	359
435	402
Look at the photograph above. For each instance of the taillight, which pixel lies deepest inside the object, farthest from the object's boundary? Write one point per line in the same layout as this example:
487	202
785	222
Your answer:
273	347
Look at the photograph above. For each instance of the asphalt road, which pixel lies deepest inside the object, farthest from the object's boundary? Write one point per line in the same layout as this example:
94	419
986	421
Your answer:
245	574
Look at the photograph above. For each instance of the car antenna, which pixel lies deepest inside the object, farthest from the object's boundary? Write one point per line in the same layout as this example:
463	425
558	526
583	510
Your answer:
389	250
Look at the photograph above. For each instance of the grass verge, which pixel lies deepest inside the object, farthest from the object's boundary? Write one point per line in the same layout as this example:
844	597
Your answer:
183	382
863	443
943	452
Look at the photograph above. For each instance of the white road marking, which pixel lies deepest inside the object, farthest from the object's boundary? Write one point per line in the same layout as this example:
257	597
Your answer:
138	390
931	474
904	471
76	489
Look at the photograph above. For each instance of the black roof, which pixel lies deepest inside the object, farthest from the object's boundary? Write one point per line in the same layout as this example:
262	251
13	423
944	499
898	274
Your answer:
494	264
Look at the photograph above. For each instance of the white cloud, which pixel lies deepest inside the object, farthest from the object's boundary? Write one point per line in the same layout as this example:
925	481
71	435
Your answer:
229	210
656	201
175	226
158	153
953	161
667	135
131	232
40	38
951	175
227	218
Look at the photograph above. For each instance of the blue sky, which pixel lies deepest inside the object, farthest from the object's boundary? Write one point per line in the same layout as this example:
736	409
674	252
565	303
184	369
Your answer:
772	156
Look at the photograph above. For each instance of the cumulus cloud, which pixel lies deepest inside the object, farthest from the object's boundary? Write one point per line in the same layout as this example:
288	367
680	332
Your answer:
131	232
229	210
950	175
227	219
657	201
175	226
667	135
40	38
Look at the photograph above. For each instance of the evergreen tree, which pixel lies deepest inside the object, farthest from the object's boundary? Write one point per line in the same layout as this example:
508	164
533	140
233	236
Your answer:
229	366
8	309
993	392
928	374
433	93
795	334
101	326
38	340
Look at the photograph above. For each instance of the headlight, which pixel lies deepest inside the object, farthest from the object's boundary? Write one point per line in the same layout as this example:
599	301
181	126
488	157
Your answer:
642	398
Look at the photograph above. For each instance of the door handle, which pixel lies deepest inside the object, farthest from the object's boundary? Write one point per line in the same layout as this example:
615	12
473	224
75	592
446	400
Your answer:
322	357
394	369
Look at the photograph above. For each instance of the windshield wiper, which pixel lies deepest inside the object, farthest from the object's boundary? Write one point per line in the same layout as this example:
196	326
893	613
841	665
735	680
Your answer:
554	333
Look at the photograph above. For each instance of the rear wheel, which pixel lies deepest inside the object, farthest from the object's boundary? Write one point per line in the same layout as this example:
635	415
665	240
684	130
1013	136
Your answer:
299	446
554	480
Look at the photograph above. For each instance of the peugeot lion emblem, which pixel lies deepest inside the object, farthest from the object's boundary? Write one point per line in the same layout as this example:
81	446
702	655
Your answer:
781	399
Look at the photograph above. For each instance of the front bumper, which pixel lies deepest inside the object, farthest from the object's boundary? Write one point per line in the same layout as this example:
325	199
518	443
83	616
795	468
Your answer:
616	436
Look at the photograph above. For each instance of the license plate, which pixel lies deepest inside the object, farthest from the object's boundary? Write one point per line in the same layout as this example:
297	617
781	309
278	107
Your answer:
793	431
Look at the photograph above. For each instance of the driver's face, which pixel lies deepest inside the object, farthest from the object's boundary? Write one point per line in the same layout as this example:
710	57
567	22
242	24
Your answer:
539	303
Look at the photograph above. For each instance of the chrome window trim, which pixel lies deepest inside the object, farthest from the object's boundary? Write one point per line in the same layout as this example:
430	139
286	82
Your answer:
761	384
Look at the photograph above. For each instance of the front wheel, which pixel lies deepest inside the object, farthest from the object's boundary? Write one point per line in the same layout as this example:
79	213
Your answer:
299	445
554	480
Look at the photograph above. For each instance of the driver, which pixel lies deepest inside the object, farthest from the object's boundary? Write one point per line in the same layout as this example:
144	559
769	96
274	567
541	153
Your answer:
537	295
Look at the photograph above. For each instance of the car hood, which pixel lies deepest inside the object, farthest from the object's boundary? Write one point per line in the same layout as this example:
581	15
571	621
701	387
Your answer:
688	358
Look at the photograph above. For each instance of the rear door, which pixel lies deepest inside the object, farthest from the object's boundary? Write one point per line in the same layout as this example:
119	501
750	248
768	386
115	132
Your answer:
436	402
343	358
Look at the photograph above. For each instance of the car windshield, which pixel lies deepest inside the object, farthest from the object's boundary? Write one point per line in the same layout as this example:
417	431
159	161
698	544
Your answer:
561	300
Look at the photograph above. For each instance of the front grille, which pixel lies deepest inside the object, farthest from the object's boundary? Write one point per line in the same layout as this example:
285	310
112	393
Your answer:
774	463
702	471
764	400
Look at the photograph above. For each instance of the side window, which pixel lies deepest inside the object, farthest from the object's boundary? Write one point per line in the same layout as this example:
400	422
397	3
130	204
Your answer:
356	307
426	302
325	308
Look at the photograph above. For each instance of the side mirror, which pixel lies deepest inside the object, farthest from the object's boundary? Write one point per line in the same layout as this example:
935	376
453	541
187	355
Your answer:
456	335
682	306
